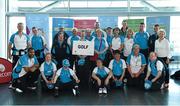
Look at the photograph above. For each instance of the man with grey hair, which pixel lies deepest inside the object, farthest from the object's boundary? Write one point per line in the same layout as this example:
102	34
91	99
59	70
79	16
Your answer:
136	63
20	42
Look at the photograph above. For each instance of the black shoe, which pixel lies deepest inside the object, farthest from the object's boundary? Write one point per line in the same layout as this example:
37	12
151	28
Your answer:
77	92
56	93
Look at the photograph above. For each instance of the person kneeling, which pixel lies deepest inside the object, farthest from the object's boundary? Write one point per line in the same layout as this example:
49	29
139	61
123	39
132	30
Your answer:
154	78
136	63
118	66
66	78
47	69
25	73
101	75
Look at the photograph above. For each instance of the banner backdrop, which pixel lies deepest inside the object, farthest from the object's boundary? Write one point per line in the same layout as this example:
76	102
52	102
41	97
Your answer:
68	24
163	21
83	48
134	24
108	21
5	70
84	24
41	21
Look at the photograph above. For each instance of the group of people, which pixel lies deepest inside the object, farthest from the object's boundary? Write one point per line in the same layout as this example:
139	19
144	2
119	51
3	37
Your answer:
121	57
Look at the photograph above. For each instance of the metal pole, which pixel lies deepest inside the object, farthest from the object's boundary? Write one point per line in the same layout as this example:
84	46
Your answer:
129	7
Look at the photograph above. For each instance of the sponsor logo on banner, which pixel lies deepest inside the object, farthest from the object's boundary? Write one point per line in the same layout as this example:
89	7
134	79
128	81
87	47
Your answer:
2	68
5	70
66	23
84	24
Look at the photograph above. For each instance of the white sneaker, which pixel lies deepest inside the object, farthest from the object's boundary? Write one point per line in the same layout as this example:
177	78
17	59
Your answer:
11	87
162	86
19	90
74	92
104	90
100	90
125	80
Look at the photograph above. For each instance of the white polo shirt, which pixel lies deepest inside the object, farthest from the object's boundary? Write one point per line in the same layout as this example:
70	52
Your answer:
162	48
136	62
19	42
128	44
116	43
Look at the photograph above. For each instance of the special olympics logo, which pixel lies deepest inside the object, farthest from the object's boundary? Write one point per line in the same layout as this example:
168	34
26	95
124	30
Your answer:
2	68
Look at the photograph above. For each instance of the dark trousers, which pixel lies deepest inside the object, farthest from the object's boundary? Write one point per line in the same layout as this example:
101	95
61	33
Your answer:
125	58
91	64
163	60
137	82
102	83
156	85
113	83
108	58
145	52
15	59
40	60
43	83
26	81
59	63
68	86
73	59
83	73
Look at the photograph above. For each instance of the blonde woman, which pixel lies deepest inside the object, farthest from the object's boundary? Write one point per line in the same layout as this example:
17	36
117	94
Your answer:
128	43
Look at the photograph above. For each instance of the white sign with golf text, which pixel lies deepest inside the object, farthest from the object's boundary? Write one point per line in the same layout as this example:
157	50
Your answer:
83	48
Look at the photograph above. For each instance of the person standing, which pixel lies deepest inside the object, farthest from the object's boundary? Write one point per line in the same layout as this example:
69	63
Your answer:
153	38
101	45
162	48
123	31
116	41
60	50
38	43
20	42
109	54
141	38
88	36
128	43
70	40
61	29
97	26
100	48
